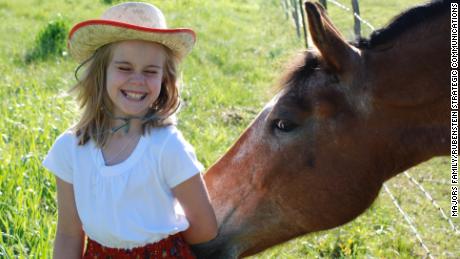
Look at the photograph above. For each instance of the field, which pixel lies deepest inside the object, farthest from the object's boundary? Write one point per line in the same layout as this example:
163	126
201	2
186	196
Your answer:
242	48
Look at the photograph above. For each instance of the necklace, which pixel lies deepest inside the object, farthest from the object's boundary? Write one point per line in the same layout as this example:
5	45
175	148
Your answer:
126	125
132	139
127	120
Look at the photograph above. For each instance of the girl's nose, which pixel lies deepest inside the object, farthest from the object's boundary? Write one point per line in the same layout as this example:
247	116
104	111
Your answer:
137	79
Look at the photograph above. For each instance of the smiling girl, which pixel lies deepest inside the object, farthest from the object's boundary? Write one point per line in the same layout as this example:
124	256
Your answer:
126	178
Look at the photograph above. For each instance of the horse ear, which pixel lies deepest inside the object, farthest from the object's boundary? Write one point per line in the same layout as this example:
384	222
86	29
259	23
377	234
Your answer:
334	49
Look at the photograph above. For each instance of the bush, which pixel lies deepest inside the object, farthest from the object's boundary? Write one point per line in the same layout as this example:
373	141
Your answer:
109	1
51	41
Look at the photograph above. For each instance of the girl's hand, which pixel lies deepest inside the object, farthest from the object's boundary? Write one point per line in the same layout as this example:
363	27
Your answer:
194	199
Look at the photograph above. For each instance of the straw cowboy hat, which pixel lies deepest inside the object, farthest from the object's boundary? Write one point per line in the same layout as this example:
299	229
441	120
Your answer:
128	21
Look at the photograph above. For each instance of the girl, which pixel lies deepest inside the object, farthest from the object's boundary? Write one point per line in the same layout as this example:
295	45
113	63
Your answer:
124	174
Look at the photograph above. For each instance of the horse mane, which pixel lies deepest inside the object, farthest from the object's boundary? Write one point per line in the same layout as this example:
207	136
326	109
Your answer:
302	66
404	22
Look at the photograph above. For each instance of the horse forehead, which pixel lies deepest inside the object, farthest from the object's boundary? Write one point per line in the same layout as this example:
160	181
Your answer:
306	89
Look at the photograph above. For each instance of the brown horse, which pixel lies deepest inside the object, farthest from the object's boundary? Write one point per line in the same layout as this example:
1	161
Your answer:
348	117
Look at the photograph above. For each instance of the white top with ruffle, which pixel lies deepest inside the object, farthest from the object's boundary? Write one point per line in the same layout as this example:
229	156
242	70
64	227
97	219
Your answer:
129	204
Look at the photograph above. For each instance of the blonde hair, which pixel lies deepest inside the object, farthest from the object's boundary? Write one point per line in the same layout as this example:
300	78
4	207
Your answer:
96	105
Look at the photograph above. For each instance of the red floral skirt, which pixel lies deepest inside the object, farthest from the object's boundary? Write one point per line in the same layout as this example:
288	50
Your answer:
171	247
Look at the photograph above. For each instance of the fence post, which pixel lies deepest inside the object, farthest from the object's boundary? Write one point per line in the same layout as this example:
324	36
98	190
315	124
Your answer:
357	27
295	16
324	3
285	8
304	23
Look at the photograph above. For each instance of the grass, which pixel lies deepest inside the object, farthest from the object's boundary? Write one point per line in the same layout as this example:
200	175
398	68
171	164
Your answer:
241	49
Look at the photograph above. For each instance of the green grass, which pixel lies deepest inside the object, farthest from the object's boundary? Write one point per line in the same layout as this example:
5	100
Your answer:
242	46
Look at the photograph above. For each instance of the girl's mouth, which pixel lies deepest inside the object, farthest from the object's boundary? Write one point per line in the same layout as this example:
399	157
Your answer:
133	95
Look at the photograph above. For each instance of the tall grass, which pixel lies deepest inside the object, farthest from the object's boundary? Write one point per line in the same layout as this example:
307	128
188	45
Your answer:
242	46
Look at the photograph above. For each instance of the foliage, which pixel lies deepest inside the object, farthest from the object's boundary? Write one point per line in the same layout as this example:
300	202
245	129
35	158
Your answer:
51	41
109	2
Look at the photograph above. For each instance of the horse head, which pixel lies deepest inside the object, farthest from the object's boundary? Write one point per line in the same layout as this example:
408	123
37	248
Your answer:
346	118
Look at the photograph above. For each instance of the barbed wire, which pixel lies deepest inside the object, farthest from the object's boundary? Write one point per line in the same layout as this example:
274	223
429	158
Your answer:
354	14
408	220
433	202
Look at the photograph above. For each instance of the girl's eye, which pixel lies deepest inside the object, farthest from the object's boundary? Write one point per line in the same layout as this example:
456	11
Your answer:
284	125
124	68
151	72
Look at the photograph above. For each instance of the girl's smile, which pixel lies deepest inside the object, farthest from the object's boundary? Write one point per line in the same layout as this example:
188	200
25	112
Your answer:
134	76
133	95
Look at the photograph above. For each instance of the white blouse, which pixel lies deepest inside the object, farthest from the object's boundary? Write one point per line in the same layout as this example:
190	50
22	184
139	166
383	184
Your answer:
129	204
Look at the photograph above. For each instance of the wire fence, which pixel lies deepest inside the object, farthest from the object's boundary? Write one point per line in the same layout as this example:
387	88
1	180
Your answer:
294	9
408	220
433	202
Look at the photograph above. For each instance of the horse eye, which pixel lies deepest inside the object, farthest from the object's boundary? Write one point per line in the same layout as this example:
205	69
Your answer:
284	125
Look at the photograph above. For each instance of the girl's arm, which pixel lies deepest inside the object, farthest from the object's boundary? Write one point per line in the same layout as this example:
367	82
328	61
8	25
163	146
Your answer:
194	199
70	237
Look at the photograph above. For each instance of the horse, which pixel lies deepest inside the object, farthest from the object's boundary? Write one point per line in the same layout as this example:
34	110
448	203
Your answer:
347	116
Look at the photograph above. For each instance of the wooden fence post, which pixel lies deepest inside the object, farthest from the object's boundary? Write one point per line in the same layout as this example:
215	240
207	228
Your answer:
295	16
304	23
357	27
324	3
285	8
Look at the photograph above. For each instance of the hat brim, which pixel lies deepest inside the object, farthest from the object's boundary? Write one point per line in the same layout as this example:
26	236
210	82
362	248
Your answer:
86	37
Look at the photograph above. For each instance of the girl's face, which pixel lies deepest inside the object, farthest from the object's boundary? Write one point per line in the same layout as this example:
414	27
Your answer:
134	76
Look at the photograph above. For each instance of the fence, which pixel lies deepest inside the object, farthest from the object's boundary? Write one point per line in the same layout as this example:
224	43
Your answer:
294	9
